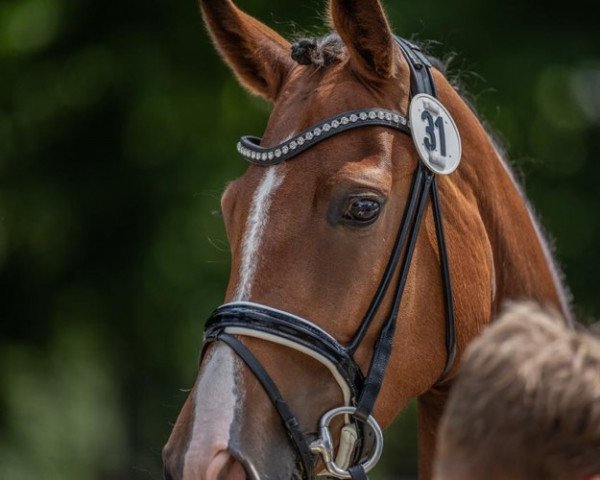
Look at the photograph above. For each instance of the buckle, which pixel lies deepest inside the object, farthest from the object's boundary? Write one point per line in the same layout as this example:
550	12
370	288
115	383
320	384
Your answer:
324	445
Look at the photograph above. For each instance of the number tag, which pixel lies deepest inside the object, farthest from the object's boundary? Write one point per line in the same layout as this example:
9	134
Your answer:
435	134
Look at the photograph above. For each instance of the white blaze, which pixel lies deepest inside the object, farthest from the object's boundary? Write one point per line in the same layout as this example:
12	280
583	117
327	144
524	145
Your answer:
214	407
216	392
255	227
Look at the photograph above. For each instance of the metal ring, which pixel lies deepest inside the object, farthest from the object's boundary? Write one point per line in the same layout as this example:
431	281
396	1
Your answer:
324	446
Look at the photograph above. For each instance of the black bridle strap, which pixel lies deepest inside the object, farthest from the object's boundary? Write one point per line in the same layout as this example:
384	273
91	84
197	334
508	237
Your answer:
421	80
292	426
390	269
383	346
450	334
270	322
357	472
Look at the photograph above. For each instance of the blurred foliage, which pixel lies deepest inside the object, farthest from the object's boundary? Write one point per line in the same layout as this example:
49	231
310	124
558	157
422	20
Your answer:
117	131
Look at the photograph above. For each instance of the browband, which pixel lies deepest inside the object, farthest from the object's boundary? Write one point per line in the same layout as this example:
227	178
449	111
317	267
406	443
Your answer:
251	149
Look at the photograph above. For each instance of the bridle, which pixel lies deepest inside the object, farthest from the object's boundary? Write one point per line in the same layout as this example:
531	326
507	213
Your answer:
440	154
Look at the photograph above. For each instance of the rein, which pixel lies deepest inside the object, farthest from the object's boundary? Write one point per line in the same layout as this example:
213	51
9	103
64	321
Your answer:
437	141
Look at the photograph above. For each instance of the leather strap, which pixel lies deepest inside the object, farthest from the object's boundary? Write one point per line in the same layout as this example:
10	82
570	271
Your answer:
421	80
424	186
357	472
450	335
390	269
392	265
383	346
251	149
290	422
294	329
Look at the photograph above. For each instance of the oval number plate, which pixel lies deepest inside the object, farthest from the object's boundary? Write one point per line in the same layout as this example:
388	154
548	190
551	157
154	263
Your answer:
435	134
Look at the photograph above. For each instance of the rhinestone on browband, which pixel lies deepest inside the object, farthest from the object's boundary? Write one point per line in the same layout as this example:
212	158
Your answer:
249	147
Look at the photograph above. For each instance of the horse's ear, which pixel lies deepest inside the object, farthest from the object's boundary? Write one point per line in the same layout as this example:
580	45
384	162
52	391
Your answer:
363	27
259	56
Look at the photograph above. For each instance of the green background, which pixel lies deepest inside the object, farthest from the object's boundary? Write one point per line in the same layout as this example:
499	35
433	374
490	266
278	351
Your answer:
118	124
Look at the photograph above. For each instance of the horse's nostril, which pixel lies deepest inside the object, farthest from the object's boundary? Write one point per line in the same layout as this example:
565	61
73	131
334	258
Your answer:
225	466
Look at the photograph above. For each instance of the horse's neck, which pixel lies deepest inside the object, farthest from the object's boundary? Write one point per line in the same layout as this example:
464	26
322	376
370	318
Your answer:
431	407
523	263
523	267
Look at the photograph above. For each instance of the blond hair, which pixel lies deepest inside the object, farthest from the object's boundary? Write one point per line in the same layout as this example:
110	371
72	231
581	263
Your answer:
526	403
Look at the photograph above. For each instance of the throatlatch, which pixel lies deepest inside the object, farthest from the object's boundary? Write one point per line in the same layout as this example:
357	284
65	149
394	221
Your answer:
437	142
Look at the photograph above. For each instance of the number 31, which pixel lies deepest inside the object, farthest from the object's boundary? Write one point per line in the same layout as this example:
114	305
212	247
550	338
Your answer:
430	140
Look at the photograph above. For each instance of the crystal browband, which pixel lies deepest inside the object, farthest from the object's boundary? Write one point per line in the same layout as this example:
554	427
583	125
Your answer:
249	147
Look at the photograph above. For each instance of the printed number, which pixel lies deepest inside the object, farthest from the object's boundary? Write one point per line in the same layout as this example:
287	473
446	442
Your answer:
431	139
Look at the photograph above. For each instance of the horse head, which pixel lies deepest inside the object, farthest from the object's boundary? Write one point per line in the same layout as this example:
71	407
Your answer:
312	237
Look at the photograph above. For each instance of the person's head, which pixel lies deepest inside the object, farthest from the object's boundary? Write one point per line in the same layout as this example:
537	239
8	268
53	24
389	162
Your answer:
526	404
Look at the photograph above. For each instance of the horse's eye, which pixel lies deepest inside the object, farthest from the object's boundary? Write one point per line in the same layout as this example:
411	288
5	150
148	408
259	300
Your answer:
362	211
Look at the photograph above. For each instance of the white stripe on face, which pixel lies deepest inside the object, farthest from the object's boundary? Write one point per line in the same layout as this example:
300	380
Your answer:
255	227
214	408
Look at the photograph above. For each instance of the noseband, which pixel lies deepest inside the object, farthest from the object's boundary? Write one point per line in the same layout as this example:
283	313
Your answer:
437	141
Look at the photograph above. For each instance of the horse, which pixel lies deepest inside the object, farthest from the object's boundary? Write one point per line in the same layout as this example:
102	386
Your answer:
313	237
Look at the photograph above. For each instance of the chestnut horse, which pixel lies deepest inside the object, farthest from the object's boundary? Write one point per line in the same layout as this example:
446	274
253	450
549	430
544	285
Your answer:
312	236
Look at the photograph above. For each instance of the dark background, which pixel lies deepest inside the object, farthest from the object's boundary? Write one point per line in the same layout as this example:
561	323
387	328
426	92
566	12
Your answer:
118	124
